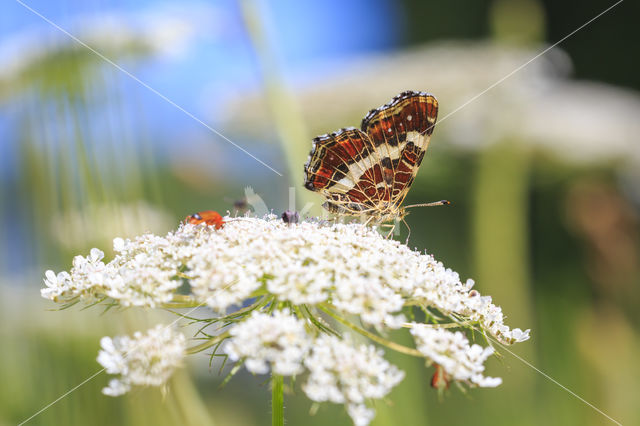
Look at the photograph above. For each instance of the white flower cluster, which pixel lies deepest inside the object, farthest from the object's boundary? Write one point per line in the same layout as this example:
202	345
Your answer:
146	359
343	269
279	339
442	289
451	350
339	372
343	373
350	266
141	274
89	280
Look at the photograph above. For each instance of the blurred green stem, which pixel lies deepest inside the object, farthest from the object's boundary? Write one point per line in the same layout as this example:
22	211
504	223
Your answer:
277	400
501	252
287	117
500	229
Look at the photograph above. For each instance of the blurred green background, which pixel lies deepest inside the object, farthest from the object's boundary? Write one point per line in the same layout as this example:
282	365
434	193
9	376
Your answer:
543	171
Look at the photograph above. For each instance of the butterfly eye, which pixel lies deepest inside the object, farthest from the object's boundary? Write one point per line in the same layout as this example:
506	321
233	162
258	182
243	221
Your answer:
196	216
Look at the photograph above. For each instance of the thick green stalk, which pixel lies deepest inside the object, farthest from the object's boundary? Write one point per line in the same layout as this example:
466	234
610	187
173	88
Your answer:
277	400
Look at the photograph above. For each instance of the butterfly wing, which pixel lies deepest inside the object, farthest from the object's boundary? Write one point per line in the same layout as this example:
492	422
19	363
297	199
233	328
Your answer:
344	167
400	132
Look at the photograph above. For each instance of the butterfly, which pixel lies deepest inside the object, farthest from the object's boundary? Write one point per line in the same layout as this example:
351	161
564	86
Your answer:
368	171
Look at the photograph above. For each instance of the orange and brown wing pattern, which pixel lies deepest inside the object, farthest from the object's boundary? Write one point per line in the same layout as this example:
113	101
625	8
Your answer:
400	131
342	166
369	170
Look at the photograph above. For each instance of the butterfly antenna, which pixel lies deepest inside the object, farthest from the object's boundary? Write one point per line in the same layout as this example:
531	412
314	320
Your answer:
435	203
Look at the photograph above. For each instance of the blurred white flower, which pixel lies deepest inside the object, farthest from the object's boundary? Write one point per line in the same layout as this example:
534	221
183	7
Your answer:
146	359
538	105
279	340
452	352
161	31
75	229
343	373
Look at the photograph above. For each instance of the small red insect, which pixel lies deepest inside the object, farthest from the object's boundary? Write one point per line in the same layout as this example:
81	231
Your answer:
209	217
440	379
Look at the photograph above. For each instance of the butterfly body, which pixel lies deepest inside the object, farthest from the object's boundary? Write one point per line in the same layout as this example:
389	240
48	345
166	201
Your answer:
368	171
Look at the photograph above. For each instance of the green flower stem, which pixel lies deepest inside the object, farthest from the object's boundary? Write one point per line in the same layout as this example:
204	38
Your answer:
182	298
277	400
318	322
182	301
183	275
209	343
448	325
256	305
381	340
174	305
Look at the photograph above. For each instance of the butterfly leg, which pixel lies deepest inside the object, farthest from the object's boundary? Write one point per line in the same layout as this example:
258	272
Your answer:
369	220
408	231
393	228
389	235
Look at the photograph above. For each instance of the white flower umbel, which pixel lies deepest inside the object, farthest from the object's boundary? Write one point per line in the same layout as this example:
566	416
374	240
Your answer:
346	374
451	350
89	280
262	339
272	287
146	359
141	274
349	265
